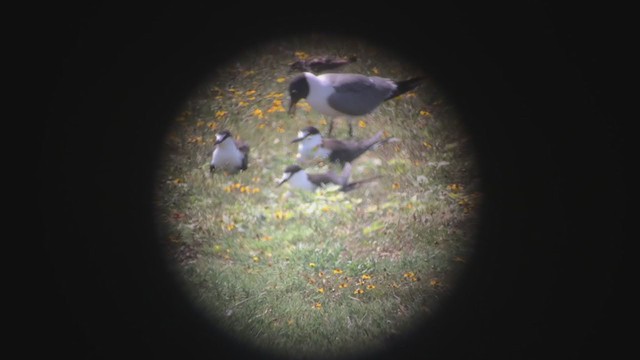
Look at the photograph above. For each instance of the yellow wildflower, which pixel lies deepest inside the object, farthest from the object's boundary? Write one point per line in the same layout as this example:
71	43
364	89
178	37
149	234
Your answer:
454	187
323	121
409	274
395	186
231	226
337	271
326	209
317	305
358	291
212	125
280	129
258	113
220	114
280	80
424	113
343	285
427	145
321	290
369	287
243	103
311	264
250	92
362	124
255	190
256	259
366	277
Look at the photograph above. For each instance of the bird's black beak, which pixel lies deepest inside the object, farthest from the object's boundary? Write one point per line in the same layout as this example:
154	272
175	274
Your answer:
283	180
297	140
292	105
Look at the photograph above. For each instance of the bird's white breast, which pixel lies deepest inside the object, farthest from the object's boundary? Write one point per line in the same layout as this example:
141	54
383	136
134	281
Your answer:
226	156
311	148
300	180
319	92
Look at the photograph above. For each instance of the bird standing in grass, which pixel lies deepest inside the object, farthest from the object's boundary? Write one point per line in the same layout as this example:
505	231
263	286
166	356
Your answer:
230	155
347	95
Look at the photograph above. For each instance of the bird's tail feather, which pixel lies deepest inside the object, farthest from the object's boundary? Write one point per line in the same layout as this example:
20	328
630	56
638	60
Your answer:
405	86
366	144
356	184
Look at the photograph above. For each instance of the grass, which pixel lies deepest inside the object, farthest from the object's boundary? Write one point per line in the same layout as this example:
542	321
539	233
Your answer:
305	273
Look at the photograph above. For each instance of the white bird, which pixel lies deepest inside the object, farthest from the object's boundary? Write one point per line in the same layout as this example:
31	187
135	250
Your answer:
348	95
230	155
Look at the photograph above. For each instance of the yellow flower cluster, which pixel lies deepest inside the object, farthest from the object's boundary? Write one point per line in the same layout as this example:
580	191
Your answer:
276	107
411	276
282	215
304	106
274	95
301	55
244	189
455	187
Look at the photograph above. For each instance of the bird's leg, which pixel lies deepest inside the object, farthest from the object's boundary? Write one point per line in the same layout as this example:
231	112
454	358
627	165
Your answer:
330	126
350	129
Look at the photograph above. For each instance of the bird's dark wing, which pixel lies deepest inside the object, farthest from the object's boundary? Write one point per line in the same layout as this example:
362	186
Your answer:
358	94
327	178
343	151
244	149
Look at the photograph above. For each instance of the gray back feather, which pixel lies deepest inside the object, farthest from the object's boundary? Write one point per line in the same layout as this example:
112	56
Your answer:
358	94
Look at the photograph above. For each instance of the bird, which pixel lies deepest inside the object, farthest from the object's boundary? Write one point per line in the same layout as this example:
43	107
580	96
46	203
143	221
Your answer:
230	155
298	178
349	95
321	63
311	146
